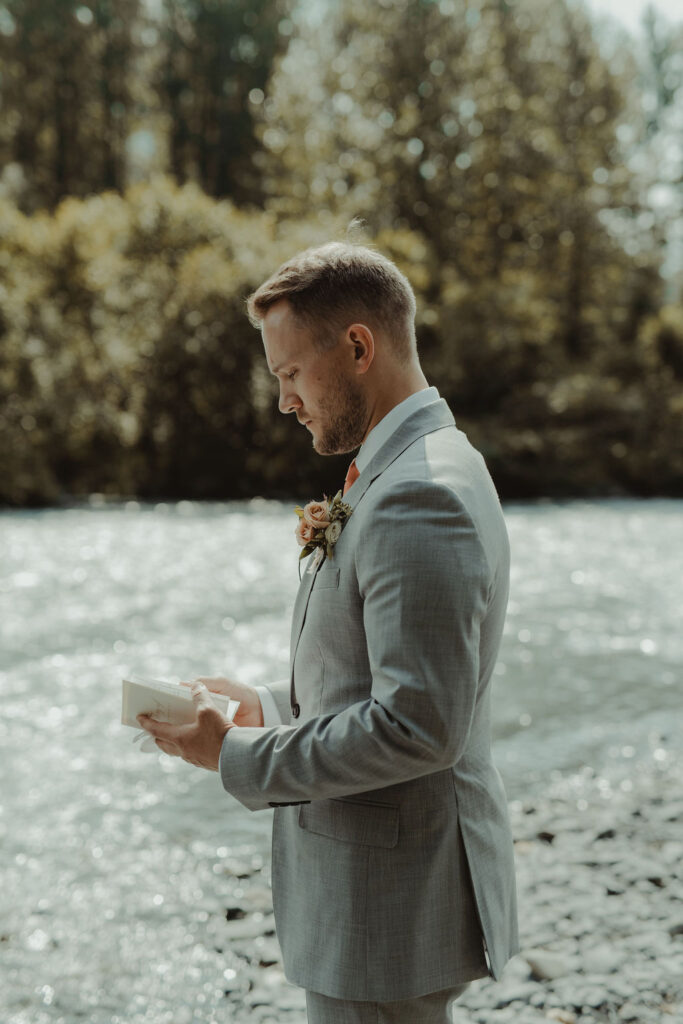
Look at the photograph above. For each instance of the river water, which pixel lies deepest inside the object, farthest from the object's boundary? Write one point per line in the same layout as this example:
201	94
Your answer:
115	864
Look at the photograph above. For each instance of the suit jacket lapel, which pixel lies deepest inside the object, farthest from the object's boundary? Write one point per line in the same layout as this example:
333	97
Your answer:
301	604
423	421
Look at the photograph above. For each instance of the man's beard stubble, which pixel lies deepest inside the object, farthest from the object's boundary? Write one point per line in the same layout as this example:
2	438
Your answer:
347	408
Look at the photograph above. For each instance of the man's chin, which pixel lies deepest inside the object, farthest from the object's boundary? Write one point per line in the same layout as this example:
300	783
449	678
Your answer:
321	448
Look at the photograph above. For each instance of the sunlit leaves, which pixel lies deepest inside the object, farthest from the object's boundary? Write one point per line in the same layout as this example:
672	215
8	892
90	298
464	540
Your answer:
127	362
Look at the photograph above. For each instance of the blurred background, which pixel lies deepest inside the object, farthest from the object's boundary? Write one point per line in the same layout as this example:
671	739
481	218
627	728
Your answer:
521	161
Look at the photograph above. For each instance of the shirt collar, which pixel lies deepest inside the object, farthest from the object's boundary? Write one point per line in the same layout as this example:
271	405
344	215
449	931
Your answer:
383	430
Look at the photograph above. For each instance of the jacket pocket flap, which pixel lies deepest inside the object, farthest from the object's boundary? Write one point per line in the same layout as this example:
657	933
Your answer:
351	821
327	578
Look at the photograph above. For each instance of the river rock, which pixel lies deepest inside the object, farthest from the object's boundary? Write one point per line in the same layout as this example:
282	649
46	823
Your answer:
249	927
629	1011
602	959
591	997
515	991
267	951
546	965
258	897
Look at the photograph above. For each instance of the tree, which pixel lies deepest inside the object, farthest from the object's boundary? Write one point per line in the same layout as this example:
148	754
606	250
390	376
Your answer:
66	97
659	158
210	80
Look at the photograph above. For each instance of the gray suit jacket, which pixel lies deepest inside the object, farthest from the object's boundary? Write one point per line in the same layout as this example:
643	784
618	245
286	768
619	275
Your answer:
393	870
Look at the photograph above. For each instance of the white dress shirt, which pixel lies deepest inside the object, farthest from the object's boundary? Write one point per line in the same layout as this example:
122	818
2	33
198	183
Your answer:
377	437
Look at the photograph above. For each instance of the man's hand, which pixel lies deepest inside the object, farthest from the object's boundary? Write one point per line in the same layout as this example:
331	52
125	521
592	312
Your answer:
249	712
199	742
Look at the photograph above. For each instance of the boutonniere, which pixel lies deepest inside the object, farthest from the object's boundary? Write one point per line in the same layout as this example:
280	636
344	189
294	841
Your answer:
320	525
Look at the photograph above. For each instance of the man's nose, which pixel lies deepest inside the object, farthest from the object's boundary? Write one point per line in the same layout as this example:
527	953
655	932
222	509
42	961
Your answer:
289	401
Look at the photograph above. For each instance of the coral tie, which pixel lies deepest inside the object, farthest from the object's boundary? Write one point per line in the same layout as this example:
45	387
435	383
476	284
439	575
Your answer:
351	476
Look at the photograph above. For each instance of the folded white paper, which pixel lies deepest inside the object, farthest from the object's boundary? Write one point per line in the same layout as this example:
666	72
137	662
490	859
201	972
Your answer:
165	701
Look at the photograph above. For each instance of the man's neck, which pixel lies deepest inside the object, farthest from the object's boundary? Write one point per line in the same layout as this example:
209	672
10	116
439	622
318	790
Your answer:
389	398
383	430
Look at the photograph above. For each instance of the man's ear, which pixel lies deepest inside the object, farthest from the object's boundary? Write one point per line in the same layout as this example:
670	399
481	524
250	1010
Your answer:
362	343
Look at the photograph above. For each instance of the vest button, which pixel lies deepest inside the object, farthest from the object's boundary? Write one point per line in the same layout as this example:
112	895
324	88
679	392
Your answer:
296	711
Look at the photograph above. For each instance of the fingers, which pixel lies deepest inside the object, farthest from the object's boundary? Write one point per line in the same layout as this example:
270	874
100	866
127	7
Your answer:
207	680
168	748
214	684
171	733
198	743
164	734
200	696
160	730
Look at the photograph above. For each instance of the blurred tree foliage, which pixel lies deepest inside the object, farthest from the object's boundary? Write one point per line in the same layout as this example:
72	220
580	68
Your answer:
127	364
211	79
661	91
663	68
66	75
486	145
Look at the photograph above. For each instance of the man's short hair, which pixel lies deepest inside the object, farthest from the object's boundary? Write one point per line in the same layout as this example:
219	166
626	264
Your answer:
332	286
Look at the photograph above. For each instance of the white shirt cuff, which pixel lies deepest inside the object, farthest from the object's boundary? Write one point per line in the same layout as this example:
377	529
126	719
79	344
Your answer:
271	715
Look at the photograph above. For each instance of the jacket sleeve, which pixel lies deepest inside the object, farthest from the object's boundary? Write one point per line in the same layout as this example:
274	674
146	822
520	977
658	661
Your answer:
424	581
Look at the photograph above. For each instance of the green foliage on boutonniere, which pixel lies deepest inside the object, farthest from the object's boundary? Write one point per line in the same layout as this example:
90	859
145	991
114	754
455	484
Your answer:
321	524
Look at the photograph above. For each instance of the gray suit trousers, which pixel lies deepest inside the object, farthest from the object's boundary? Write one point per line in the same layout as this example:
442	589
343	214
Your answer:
432	1008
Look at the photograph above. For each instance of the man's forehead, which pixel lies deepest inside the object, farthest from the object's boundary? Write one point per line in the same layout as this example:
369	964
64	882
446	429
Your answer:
282	354
284	340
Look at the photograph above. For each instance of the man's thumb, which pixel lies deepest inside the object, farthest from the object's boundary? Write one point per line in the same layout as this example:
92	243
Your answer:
200	696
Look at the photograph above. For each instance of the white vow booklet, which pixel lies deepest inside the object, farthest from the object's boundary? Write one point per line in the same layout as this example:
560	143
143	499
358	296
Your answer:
166	702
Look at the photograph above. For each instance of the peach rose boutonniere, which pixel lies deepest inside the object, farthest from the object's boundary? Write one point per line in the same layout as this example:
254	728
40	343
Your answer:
320	525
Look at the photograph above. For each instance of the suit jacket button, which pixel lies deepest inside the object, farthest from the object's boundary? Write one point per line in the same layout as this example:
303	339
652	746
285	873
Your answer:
296	711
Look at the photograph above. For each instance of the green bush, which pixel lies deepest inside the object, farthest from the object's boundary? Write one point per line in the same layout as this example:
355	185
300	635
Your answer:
127	364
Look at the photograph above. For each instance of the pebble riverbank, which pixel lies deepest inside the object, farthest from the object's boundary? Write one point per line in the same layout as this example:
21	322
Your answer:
600	882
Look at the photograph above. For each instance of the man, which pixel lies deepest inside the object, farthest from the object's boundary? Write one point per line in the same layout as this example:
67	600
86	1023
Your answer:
393	877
